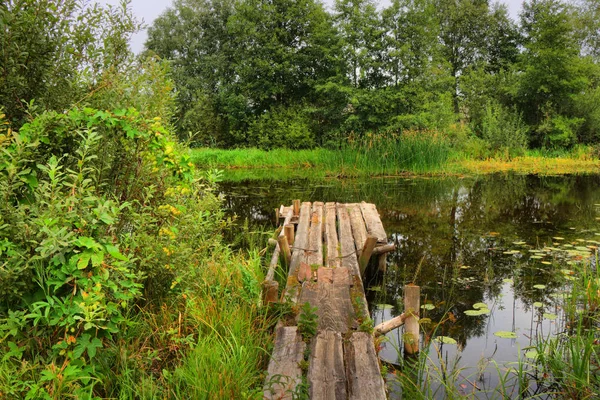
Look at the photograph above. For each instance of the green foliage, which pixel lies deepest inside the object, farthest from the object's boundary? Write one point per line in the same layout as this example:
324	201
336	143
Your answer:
280	127
558	132
503	129
55	51
308	321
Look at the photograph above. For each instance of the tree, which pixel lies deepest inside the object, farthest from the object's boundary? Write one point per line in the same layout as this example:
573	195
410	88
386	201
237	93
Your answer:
463	34
195	37
552	72
363	38
411	40
55	51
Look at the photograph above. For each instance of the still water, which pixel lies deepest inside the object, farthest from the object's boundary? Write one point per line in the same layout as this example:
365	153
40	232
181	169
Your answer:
494	239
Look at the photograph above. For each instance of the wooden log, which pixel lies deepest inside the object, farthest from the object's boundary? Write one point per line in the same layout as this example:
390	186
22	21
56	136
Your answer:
386	248
365	254
296	207
348	254
314	252
284	373
326	373
287	211
289	233
373	221
286	254
382	263
362	369
389	325
270	292
412	306
301	237
359	229
331	237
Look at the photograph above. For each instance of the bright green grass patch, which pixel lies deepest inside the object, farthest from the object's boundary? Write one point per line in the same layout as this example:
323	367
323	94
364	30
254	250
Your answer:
371	155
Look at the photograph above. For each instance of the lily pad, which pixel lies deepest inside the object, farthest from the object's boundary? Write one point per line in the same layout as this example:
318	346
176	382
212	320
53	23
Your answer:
550	316
519	243
507	280
533	354
539	287
558	238
478	306
428	306
384	306
536	257
537	304
546	262
475	313
445	340
505	334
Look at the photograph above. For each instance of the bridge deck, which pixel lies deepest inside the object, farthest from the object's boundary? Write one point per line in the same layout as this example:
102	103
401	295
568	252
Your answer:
339	361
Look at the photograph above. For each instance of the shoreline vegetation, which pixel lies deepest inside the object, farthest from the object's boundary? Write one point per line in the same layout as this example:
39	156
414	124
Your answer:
257	164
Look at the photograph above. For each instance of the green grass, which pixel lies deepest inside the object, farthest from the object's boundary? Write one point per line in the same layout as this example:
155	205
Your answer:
371	155
388	156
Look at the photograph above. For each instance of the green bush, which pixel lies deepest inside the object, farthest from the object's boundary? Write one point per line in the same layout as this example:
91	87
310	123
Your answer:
94	202
503	129
559	132
280	127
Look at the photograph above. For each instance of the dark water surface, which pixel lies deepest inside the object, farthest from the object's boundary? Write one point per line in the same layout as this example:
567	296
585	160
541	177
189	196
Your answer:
464	241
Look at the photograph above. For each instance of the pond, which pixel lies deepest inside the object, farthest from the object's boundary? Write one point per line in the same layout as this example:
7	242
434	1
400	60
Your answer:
510	242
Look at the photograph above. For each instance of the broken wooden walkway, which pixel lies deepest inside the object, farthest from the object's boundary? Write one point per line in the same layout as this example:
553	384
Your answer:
327	248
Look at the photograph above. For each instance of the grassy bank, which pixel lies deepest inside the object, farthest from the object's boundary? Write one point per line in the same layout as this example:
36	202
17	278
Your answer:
392	159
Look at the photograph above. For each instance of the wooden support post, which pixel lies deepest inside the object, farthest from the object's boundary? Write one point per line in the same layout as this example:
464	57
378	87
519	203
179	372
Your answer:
277	216
389	325
296	206
382	263
270	292
384	249
284	250
412	305
289	233
365	255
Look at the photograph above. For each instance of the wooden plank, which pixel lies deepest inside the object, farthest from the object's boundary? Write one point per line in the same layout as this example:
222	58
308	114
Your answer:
301	239
373	221
284	373
314	252
331	237
332	300
346	245
326	372
359	229
362	368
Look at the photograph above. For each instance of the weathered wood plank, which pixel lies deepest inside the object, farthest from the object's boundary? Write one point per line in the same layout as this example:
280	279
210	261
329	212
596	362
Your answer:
332	300
362	368
301	239
373	221
347	250
326	372
331	237
284	373
314	253
359	229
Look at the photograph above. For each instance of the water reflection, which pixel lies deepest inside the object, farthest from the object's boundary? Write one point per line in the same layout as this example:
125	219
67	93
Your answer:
463	241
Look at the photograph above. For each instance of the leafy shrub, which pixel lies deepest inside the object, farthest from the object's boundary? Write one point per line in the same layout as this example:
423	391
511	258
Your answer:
503	129
98	207
280	127
558	132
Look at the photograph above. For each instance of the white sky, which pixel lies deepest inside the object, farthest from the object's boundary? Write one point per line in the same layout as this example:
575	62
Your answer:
148	10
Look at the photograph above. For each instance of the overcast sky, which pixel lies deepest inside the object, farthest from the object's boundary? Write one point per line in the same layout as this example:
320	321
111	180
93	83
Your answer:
148	10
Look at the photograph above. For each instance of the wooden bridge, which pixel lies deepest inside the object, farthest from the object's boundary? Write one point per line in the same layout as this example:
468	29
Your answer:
327	248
